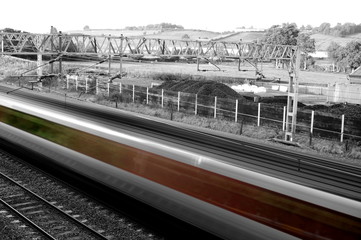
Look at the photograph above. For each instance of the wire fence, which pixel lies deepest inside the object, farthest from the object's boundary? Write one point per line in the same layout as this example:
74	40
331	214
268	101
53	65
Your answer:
269	115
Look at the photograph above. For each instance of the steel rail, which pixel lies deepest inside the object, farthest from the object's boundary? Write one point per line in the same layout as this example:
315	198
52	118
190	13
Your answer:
47	204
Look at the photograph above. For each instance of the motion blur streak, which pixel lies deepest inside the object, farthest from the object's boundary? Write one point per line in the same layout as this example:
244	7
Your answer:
291	215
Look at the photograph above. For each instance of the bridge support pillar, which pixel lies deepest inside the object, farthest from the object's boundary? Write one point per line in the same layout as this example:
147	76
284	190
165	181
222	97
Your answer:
121	56
39	70
61	50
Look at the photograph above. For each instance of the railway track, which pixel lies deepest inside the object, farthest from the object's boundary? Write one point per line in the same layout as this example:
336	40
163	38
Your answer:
38	206
45	219
305	169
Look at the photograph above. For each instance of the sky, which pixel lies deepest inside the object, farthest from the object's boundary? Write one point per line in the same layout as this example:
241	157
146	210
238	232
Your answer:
223	15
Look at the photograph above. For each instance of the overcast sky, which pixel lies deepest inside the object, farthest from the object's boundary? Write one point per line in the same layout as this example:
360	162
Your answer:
216	15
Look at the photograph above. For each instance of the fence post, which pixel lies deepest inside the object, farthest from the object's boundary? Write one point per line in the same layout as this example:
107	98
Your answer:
162	97
178	100
312	121
147	95
96	87
259	115
284	119
86	85
67	81
196	105
76	83
215	107
120	88
328	93
133	93
108	89
311	128
236	115
342	126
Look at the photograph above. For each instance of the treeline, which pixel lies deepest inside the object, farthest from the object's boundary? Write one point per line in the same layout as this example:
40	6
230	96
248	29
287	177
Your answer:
159	26
348	57
340	30
10	30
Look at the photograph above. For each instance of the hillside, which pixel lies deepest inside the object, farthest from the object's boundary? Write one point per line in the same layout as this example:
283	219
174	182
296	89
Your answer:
245	36
323	41
178	34
113	32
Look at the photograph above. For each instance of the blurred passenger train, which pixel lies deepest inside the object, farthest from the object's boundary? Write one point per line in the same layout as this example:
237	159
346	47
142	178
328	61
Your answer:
224	199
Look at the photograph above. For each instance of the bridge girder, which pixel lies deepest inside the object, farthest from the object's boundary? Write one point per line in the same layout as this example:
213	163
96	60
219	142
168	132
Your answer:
48	44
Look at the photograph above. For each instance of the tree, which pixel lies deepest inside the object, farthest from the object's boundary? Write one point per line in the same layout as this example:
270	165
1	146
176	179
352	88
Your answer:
309	27
289	34
337	54
348	56
185	36
353	54
307	45
324	28
86	28
284	35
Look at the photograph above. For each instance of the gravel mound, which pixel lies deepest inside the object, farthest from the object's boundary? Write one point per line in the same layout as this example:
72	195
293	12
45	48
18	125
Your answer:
208	88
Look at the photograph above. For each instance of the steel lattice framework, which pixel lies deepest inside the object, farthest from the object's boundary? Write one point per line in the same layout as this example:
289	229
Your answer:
53	44
59	45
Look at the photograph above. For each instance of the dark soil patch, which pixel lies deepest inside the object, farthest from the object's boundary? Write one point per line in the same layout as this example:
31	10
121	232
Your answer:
351	110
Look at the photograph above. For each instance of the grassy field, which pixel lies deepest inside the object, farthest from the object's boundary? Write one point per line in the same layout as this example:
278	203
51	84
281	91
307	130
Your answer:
178	34
146	69
323	41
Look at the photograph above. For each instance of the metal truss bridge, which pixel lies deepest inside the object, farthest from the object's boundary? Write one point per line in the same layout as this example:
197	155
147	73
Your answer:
57	46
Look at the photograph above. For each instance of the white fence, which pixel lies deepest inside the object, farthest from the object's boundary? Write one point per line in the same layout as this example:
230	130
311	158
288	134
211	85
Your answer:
231	109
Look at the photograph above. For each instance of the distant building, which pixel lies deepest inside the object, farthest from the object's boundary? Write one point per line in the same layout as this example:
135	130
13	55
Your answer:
355	77
319	54
250	30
